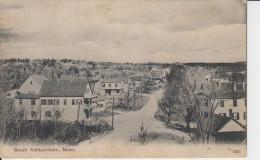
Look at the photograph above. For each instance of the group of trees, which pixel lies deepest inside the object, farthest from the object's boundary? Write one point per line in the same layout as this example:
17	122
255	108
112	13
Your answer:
182	101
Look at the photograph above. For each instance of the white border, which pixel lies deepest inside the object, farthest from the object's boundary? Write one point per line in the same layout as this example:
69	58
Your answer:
253	61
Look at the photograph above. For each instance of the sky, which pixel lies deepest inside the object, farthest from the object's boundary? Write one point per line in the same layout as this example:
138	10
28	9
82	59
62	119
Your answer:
164	31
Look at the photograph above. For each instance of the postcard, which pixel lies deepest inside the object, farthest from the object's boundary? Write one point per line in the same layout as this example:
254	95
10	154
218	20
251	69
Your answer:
123	79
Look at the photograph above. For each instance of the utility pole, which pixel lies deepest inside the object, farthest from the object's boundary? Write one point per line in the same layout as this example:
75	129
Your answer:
78	110
113	113
134	99
142	89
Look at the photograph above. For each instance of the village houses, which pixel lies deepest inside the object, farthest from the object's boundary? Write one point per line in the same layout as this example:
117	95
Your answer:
113	88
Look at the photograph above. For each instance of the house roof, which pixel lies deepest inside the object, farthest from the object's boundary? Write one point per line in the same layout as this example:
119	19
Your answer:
220	121
230	95
39	79
228	87
64	88
136	78
99	98
27	96
114	80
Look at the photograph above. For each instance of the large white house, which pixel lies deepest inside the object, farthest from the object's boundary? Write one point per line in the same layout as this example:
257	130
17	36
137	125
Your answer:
63	100
229	104
111	87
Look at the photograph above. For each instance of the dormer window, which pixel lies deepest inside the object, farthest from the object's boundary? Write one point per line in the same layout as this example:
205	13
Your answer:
31	82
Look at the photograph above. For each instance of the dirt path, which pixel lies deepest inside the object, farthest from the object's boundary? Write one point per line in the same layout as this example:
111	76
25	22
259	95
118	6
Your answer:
128	124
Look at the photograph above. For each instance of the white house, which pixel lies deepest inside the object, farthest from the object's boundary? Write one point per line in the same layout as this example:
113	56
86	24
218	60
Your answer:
111	87
229	104
136	79
63	100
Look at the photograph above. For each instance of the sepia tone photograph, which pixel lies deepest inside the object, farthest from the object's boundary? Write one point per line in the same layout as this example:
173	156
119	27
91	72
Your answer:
123	79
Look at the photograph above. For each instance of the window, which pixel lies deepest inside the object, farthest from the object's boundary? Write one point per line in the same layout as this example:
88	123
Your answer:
206	114
79	101
8	94
56	102
245	115
86	101
236	116
230	112
245	102
116	85
108	92
73	102
117	91
103	85
50	102
20	114
223	114
222	103
20	101
109	85
43	102
31	82
33	102
48	114
33	114
234	103
57	114
65	101
86	113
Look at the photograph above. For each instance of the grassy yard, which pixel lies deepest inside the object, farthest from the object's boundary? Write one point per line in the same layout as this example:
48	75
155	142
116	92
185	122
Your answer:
106	113
135	104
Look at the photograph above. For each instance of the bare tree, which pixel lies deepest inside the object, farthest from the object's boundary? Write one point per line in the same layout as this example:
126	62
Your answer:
183	99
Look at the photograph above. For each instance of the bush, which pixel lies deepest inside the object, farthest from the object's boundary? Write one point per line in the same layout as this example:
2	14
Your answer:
50	131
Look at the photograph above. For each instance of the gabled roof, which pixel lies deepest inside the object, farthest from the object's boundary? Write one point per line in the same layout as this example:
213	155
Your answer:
113	80
39	79
136	78
219	122
26	96
230	95
99	98
64	88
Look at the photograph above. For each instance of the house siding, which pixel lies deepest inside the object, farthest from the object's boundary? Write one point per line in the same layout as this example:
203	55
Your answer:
28	87
228	104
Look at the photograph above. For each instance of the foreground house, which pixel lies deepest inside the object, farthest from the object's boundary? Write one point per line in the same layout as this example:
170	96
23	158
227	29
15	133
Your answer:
227	130
64	100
